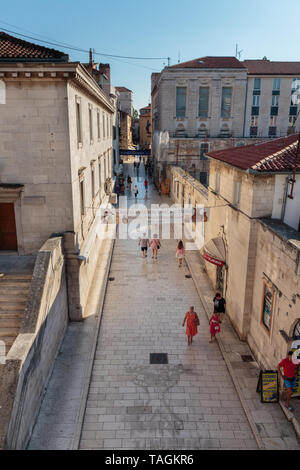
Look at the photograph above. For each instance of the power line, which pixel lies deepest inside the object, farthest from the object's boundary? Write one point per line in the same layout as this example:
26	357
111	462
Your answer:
74	48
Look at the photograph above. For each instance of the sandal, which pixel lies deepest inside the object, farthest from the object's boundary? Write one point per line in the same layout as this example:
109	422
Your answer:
290	408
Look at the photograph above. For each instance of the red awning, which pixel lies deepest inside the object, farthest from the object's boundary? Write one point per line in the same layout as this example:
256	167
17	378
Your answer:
214	251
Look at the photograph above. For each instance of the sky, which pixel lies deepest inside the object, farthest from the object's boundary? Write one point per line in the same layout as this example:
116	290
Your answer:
180	29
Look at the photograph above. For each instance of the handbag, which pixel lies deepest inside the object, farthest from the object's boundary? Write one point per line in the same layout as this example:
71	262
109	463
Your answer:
197	321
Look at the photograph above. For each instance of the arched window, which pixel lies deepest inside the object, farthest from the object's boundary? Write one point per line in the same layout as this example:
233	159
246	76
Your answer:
296	331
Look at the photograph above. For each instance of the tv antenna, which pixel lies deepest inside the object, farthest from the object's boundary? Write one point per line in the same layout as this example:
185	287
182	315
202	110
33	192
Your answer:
237	52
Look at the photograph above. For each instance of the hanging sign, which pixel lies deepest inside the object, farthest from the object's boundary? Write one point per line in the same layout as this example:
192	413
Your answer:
212	260
268	386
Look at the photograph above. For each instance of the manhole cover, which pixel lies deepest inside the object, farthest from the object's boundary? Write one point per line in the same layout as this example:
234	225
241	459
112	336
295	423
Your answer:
188	276
247	358
158	358
111	278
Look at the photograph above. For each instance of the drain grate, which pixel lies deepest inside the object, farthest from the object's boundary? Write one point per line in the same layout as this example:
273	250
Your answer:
159	358
247	358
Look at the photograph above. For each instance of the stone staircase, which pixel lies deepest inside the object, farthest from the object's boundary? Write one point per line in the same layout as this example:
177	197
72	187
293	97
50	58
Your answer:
14	289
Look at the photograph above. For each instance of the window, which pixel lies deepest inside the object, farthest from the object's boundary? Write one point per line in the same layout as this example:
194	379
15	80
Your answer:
217	182
100	176
203	101
204	148
257	84
276	84
292	120
91	123
226	102
254	120
93	181
107	126
81	191
78	121
267	305
255	100
273	120
203	178
104	166
275	100
98	125
236	193
180	101
103	122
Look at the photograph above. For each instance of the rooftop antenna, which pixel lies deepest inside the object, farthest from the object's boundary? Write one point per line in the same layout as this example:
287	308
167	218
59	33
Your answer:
237	52
178	57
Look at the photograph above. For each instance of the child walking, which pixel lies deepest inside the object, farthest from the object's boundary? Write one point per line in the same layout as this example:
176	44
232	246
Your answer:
214	326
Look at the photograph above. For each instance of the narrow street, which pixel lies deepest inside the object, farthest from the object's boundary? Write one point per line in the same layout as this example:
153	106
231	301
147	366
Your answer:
190	402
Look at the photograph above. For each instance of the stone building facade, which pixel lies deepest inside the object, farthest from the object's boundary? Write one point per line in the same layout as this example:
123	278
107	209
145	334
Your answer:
55	161
125	100
145	127
249	242
219	102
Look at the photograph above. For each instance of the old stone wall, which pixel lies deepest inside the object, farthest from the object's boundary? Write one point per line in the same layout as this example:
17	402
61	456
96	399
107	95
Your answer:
29	363
278	264
34	151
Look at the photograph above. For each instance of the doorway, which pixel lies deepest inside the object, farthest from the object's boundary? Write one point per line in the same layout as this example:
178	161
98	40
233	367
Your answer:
8	232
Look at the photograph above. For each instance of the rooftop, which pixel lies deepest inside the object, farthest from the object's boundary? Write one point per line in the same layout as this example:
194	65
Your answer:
276	155
283	230
122	89
267	67
13	49
211	63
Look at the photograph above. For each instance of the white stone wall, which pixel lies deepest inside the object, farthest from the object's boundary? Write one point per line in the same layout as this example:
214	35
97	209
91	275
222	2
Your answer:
192	80
34	151
277	261
265	106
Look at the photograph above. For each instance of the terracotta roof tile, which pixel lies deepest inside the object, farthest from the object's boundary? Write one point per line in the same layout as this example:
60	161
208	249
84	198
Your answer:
272	156
211	63
122	89
12	48
267	67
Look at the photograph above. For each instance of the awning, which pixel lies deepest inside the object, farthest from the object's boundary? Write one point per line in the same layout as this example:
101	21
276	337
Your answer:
214	251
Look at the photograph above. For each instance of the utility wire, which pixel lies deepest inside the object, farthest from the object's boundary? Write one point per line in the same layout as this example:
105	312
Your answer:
74	48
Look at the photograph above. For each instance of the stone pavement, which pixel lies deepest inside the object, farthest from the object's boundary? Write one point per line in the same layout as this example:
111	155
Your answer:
60	418
189	403
271	427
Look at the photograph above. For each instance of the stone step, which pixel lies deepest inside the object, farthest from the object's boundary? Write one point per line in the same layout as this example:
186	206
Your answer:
8	341
11	321
15	277
14	291
10	296
9	331
15	285
6	305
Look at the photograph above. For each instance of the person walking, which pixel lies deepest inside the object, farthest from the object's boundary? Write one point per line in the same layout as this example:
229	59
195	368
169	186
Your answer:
155	245
144	243
192	322
219	305
146	184
129	181
180	253
289	375
136	191
214	326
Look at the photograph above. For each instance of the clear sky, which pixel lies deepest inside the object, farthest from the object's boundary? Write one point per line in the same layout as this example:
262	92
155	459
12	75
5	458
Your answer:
184	29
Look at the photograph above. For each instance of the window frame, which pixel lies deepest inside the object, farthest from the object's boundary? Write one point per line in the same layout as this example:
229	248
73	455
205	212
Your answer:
182	113
78	121
204	114
226	113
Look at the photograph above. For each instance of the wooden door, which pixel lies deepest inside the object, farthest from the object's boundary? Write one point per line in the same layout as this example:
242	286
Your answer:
8	232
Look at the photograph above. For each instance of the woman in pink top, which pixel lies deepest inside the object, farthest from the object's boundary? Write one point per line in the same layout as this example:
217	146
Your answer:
180	253
155	245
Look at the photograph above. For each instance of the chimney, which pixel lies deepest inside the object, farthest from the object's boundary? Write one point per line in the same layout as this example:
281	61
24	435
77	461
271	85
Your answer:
91	57
104	70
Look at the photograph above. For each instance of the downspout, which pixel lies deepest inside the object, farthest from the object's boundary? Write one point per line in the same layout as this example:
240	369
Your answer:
284	198
245	107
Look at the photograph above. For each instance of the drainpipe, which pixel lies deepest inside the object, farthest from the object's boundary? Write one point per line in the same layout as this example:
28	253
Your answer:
245	107
284	198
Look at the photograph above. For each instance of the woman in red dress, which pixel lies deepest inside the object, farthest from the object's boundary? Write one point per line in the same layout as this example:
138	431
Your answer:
192	321
214	326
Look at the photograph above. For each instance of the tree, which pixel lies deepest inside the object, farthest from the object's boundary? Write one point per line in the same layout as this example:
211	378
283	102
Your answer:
135	114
